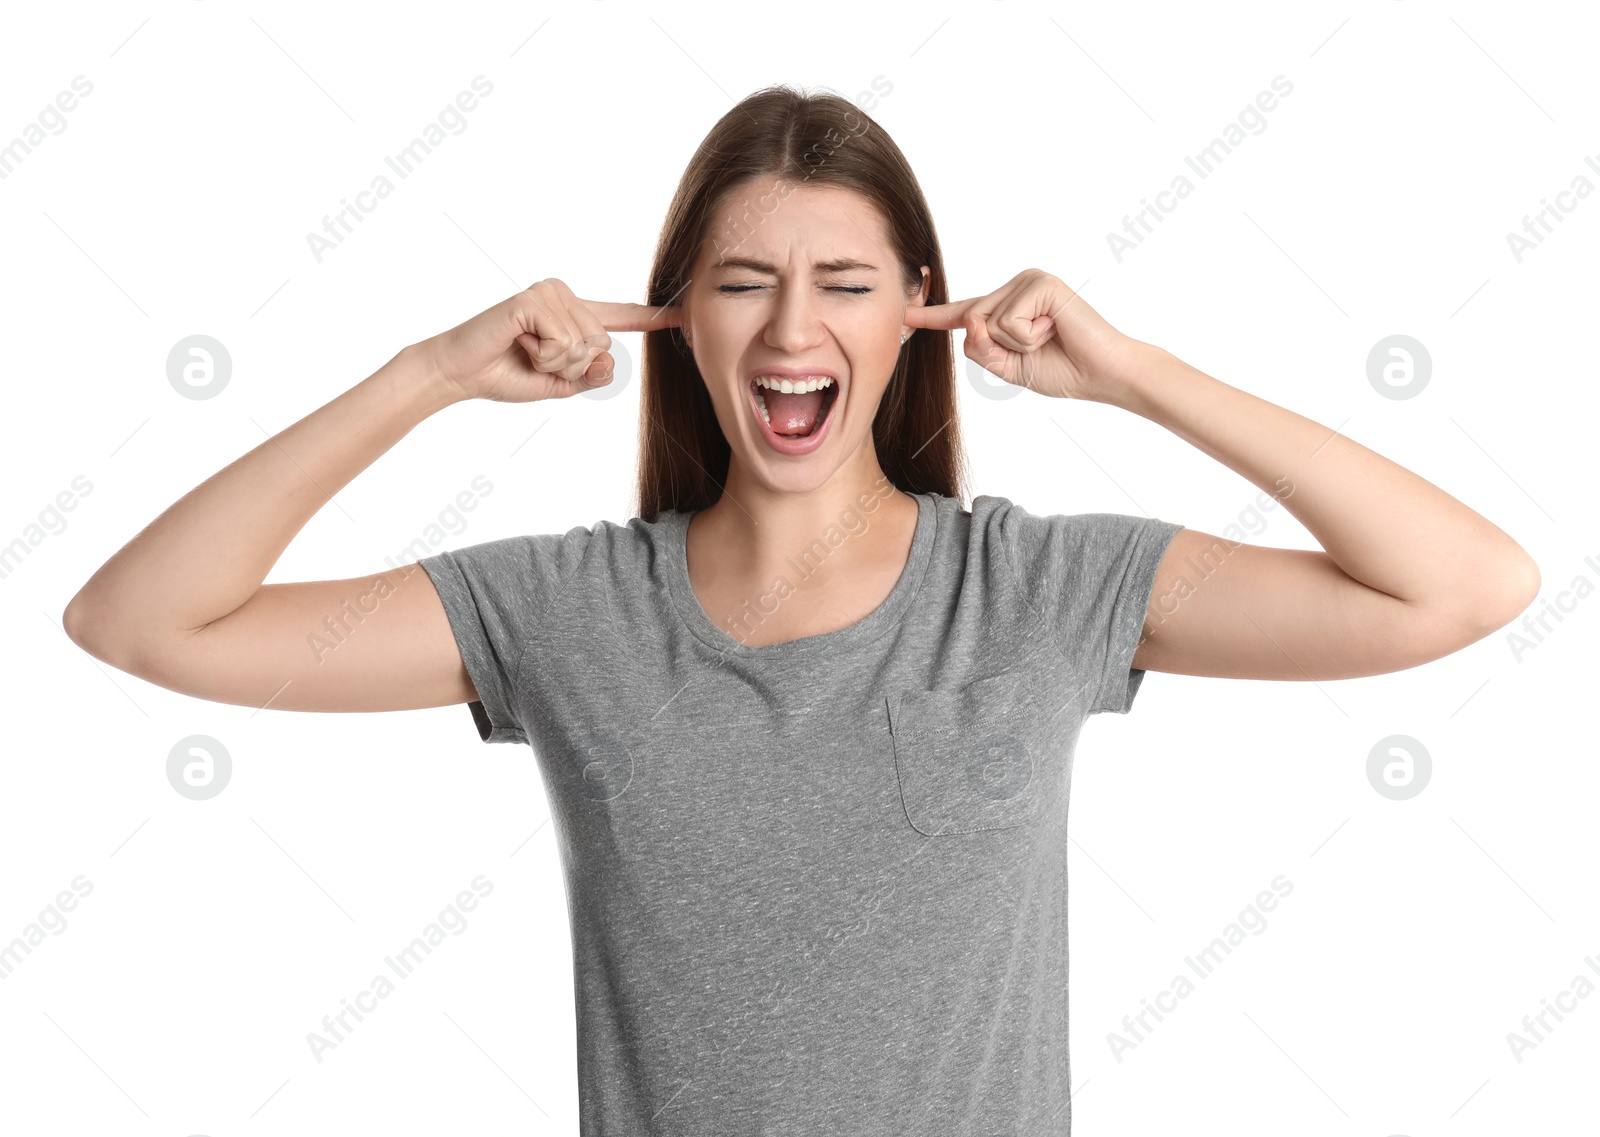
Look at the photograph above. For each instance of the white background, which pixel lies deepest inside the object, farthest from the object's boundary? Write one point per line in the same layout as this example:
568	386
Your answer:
177	201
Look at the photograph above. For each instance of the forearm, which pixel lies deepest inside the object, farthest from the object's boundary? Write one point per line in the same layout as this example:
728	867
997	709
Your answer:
1380	523
210	551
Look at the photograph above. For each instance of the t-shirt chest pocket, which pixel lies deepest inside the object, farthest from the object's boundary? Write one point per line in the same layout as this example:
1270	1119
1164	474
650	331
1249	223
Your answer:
969	758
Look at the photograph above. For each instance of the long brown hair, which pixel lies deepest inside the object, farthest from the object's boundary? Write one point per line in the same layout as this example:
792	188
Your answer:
805	139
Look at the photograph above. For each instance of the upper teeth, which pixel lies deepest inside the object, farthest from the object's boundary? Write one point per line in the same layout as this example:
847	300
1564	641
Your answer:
794	386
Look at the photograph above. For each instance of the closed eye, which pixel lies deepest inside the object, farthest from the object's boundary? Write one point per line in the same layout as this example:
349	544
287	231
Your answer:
854	290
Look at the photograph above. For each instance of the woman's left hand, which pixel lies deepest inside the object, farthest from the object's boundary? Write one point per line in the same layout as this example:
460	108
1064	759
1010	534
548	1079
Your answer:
1037	333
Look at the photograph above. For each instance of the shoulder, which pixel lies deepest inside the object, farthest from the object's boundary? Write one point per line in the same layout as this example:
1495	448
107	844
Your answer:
551	559
613	546
1029	534
1054	553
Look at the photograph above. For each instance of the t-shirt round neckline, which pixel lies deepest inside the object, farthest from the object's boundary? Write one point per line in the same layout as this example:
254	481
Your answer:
869	627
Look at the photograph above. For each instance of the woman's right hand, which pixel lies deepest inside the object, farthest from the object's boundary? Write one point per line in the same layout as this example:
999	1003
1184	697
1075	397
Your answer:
542	343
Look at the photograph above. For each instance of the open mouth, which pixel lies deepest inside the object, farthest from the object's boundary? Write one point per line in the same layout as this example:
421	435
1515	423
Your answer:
798	412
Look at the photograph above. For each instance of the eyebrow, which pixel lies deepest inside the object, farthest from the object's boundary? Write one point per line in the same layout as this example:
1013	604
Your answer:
838	264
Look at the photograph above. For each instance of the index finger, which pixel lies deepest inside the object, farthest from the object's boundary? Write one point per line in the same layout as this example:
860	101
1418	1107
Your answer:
634	317
947	317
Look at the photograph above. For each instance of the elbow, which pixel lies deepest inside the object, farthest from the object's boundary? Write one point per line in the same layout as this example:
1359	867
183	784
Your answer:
1498	596
86	626
81	624
1514	588
1527	583
74	621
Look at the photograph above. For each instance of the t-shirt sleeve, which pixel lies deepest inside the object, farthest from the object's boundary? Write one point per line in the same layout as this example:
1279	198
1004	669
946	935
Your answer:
496	595
1088	577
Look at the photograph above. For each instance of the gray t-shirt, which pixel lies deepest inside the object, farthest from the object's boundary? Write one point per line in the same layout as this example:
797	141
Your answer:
817	886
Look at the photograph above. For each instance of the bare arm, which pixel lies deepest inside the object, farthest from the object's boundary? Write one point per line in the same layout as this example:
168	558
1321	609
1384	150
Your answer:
1407	573
183	604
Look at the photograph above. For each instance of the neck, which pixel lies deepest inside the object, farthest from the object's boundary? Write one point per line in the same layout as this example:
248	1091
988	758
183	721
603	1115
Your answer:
755	529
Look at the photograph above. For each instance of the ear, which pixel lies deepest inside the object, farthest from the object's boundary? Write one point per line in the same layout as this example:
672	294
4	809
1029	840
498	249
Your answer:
922	290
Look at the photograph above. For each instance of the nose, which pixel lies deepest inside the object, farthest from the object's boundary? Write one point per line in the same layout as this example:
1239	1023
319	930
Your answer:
795	324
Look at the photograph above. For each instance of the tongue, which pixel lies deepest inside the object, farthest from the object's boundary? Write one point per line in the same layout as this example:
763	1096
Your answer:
793	414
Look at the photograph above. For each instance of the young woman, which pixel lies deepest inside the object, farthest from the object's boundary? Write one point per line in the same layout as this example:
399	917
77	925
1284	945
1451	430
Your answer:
806	722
